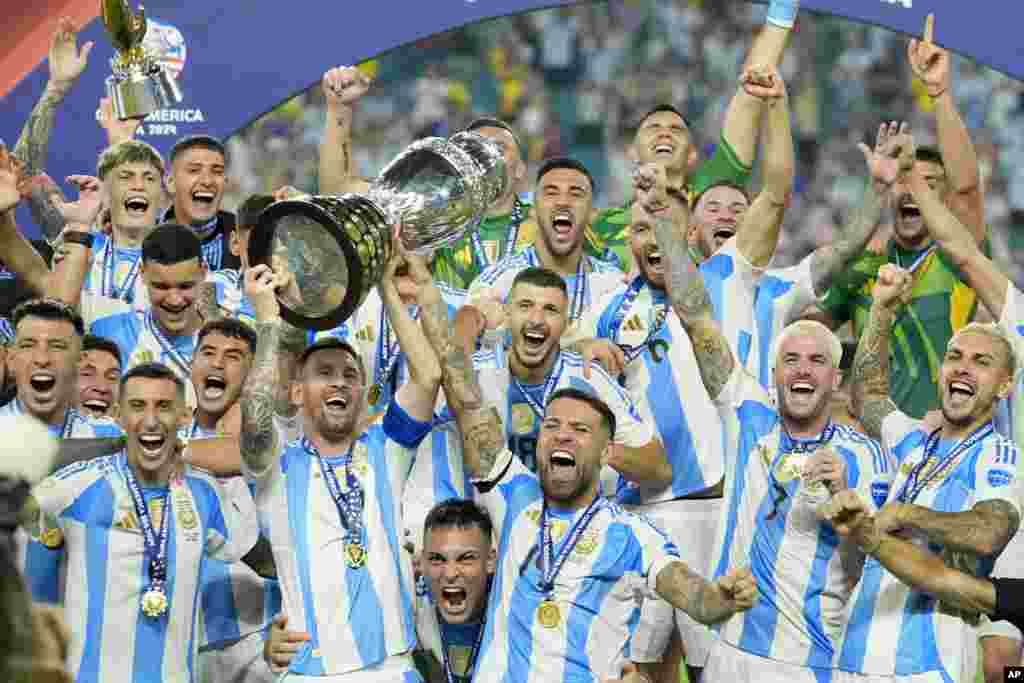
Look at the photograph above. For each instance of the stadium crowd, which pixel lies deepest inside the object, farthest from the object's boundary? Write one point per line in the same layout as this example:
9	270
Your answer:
610	434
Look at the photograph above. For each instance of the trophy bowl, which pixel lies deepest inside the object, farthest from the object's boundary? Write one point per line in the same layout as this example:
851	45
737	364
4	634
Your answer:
336	246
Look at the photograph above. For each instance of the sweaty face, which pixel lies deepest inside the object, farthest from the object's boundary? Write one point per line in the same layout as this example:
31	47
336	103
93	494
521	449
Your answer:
716	218
663	139
331	391
99	374
573	438
151	412
974	375
219	368
513	160
458	563
45	364
172	292
536	318
908	225
805	378
135	194
198	180
563	197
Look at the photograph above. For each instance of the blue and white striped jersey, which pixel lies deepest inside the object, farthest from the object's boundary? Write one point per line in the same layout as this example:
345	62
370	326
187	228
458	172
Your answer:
230	297
598	590
769	522
892	629
433	635
356	617
657	379
1010	417
521	406
87	519
75	425
116	272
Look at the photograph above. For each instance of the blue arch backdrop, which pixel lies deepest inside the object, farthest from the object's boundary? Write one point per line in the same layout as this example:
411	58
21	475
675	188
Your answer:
242	58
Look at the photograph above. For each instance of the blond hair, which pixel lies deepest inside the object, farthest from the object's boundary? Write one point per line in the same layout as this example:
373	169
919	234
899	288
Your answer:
993	331
126	152
808	327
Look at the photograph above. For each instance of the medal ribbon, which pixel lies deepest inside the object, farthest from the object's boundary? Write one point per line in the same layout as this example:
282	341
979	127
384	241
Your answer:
787	444
913	486
213	252
480	256
350	502
177	359
550	564
549	386
155	544
628	299
449	674
108	286
388	351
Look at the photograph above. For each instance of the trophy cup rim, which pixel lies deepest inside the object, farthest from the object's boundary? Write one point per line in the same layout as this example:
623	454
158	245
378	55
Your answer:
260	242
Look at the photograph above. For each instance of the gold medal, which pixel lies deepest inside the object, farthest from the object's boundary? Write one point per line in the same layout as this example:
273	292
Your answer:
548	614
522	418
355	555
587	544
52	538
374	396
154	602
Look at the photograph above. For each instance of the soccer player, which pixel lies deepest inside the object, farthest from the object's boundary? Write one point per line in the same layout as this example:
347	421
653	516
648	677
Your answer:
44	358
780	458
566	554
331	499
135	530
99	376
458	561
196	182
956	490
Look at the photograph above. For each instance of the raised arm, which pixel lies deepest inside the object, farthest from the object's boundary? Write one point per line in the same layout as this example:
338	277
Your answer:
343	86
743	116
759	233
684	282
930	63
483	436
417	395
884	166
870	398
258	440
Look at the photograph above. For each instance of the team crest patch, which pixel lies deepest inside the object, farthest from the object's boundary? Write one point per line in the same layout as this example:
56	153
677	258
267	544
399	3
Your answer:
588	543
790	467
997	478
523	418
879	492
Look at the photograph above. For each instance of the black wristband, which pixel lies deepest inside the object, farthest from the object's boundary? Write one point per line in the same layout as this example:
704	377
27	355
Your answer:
79	237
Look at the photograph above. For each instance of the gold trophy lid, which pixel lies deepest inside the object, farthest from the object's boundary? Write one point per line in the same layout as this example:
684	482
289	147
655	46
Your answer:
126	28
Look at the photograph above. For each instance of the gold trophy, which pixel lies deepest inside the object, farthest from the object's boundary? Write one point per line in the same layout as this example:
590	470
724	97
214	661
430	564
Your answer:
140	84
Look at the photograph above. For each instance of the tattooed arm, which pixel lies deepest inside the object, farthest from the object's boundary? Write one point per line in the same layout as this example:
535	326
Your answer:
706	602
870	396
985	529
342	86
258	440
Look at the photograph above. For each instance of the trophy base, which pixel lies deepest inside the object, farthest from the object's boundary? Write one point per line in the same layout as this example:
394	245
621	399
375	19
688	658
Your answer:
335	247
141	94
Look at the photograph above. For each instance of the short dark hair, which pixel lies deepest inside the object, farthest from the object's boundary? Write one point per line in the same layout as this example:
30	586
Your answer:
540	277
929	153
170	244
458	513
566	162
249	211
332	342
202	141
47	309
592	400
660	108
232	328
92	342
720	183
491	122
153	371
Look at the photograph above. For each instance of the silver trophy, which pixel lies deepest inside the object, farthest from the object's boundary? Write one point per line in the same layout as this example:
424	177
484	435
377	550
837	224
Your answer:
336	246
140	84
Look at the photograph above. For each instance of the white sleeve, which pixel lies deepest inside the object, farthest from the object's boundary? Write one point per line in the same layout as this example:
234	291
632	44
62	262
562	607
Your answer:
996	475
631	430
895	427
798	296
94	306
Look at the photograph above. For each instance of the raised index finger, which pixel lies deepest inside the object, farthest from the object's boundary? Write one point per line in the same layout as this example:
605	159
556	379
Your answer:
929	29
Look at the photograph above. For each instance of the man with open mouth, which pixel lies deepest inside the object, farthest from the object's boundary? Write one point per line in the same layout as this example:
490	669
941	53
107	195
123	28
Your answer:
99	377
566	553
781	457
331	500
457	561
134	531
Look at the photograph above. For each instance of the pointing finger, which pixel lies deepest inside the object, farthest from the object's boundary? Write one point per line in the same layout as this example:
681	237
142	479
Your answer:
929	30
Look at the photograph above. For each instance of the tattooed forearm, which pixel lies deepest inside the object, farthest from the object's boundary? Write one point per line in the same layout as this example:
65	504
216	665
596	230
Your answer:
870	370
830	259
44	212
206	302
684	283
32	145
483	440
693	594
984	530
257	440
714	357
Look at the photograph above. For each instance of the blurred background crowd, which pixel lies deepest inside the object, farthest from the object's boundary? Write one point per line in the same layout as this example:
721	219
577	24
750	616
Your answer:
575	80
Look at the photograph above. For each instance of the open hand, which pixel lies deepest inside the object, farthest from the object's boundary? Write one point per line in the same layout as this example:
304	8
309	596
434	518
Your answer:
67	61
